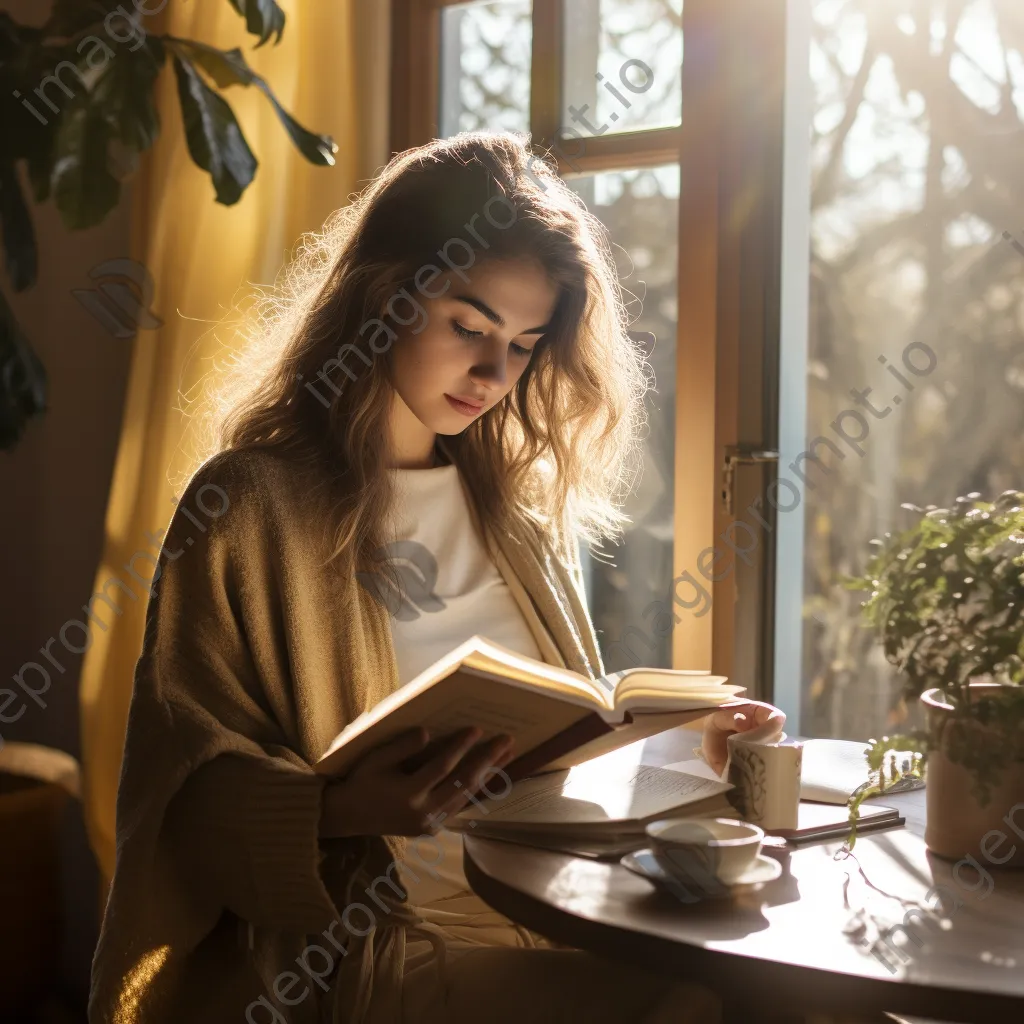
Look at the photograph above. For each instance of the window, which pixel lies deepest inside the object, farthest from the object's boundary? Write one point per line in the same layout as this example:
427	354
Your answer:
640	209
485	67
598	83
904	180
832	186
636	47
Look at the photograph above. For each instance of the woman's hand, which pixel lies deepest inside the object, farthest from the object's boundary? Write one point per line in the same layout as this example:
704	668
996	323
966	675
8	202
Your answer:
724	722
379	798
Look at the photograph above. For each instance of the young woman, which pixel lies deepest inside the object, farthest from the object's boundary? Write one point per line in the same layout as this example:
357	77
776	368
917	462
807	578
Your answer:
439	409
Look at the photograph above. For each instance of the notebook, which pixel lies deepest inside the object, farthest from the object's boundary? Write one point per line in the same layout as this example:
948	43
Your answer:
817	822
833	769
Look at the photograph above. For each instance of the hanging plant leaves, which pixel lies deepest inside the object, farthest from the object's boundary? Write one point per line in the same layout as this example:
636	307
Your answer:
225	67
22	380
228	67
18	235
214	138
23	60
70	17
84	190
262	18
90	115
40	167
124	95
18	46
13	36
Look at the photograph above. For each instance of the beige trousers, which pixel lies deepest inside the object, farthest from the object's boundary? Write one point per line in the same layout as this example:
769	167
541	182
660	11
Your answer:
492	969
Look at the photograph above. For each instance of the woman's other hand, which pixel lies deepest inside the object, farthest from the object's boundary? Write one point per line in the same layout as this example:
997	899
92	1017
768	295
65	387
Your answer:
719	726
379	797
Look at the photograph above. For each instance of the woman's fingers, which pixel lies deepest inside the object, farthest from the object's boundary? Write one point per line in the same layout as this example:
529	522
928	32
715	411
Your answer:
751	715
397	750
756	714
726	721
715	749
717	730
442	764
470	775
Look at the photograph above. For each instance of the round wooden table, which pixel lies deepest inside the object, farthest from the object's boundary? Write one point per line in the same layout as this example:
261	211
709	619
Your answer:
791	939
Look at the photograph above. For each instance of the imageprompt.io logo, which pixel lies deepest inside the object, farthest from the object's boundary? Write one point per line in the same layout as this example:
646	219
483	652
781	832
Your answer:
408	590
121	301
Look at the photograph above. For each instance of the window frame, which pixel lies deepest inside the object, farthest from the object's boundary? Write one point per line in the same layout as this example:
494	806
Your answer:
729	149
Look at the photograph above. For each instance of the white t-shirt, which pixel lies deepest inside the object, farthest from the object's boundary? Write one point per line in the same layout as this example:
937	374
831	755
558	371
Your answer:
450	591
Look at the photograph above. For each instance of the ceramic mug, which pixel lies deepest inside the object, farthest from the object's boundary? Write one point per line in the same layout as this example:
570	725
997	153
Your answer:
766	781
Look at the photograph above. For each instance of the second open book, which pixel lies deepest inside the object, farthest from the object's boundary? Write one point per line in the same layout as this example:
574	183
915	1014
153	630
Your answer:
557	718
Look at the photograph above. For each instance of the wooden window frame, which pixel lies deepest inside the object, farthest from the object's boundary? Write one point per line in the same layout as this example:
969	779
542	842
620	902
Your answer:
728	148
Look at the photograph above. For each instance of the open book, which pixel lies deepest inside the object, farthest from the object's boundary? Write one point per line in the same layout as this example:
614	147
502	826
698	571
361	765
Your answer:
557	718
597	809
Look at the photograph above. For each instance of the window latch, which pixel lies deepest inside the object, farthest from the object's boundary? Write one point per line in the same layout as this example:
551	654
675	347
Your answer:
735	454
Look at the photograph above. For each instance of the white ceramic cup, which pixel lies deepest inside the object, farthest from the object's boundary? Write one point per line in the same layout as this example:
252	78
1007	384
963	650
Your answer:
709	853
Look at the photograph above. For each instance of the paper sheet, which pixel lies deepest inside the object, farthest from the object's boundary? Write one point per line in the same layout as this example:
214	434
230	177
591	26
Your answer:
584	795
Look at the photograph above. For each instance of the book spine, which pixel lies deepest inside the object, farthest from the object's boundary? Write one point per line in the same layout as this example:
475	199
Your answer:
579	733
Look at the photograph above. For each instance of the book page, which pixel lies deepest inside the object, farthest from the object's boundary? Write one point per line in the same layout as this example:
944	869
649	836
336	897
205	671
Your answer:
492	716
651	689
491	661
494	659
464	698
595	794
641	726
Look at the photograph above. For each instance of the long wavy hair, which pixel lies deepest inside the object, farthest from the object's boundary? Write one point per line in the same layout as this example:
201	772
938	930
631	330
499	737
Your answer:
558	451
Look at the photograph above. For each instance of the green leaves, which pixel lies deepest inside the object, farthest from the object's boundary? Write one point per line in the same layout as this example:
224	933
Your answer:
214	138
70	157
947	595
262	18
908	775
77	108
22	380
124	96
16	225
71	17
82	186
97	105
947	601
228	67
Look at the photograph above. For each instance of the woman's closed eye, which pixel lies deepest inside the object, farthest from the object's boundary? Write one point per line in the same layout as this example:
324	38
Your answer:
465	332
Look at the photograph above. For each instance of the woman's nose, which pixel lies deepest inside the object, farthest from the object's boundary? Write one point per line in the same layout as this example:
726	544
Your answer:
490	369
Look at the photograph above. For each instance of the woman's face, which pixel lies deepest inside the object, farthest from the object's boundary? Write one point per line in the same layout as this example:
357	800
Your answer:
474	343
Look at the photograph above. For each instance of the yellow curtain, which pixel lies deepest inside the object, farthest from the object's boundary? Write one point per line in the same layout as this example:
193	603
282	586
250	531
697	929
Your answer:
330	71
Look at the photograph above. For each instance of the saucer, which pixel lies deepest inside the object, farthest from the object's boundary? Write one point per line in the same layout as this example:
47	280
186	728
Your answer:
644	863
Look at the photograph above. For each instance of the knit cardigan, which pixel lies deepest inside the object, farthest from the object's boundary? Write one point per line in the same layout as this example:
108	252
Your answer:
255	655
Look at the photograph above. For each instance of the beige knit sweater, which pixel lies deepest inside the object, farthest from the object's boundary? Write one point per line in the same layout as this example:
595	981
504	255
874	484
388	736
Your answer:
254	657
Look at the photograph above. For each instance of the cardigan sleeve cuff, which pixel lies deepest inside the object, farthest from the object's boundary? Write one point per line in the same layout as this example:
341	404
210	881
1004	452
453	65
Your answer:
253	831
282	817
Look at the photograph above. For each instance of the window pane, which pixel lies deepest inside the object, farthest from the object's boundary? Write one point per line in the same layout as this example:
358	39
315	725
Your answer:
640	209
916	149
485	67
636	47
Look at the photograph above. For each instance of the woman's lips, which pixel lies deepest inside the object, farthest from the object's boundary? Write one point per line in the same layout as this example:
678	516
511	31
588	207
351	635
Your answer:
466	408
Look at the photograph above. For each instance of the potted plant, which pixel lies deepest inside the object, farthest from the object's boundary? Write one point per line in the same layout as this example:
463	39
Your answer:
947	600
